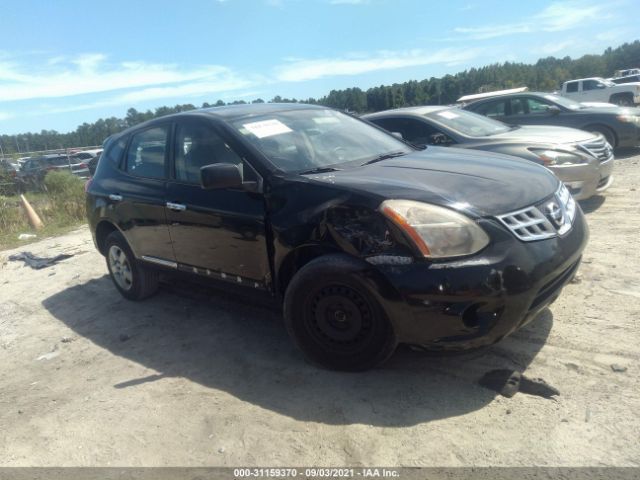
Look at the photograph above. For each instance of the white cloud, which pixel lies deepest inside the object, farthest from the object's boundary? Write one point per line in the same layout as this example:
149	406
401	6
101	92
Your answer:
5	116
91	74
297	70
554	18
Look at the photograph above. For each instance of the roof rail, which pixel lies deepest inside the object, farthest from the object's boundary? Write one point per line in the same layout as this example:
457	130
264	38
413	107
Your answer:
477	96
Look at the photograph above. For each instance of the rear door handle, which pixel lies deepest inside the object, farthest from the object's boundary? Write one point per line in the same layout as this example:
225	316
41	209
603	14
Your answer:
115	197
176	207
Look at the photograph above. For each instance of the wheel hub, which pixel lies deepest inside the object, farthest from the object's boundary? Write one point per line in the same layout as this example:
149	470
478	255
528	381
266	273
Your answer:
340	316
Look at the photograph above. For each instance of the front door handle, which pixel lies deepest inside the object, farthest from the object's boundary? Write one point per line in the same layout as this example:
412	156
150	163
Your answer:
176	207
115	197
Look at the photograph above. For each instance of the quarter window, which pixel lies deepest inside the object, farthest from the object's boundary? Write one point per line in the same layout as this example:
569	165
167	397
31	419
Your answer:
146	154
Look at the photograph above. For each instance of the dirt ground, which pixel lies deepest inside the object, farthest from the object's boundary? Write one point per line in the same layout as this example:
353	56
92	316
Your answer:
191	379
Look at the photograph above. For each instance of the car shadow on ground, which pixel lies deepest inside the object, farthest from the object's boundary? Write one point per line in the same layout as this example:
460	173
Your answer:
627	152
592	204
227	343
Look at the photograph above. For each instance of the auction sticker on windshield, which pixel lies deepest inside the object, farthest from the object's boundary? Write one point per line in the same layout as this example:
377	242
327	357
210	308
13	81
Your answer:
448	114
267	128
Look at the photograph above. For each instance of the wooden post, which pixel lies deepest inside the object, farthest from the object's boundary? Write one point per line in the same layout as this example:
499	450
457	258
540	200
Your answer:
34	219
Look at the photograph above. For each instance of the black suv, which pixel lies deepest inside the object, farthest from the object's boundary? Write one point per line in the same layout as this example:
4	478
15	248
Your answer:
367	240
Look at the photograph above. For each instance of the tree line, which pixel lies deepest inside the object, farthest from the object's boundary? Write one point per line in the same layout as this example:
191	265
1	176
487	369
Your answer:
547	74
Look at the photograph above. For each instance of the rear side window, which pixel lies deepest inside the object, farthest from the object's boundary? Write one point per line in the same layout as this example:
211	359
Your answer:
494	109
572	87
146	154
114	150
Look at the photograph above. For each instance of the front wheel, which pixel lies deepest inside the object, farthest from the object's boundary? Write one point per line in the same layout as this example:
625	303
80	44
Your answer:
334	319
606	132
133	281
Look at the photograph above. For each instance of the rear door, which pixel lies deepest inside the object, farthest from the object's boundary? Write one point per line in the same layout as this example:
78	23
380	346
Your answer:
496	109
137	195
217	233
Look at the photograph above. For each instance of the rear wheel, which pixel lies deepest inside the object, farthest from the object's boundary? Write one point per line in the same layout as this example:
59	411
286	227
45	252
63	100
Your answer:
133	280
622	99
334	319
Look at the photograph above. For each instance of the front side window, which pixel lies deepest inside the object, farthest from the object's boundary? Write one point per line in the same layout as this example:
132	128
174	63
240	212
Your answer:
305	139
537	106
590	85
198	145
146	154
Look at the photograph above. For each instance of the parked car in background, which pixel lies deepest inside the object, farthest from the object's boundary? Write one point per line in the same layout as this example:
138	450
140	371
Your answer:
90	157
620	126
597	89
366	240
34	170
626	72
627	79
8	177
582	160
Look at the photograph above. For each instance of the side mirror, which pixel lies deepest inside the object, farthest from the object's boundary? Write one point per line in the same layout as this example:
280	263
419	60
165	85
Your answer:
553	109
220	175
601	85
397	135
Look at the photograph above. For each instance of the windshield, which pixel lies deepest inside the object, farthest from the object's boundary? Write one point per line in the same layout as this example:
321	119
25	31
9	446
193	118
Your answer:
301	140
564	102
468	123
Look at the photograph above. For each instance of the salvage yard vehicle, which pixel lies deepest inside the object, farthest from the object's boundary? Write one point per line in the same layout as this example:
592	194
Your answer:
366	240
620	126
582	160
597	89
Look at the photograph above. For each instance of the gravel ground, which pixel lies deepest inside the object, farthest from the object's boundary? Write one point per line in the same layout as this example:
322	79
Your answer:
194	378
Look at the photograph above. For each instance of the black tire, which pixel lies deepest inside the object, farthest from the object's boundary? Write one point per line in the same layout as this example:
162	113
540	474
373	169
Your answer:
606	132
142	282
334	319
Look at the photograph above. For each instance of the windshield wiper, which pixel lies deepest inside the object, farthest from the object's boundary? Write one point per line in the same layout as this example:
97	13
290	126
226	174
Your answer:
318	170
386	156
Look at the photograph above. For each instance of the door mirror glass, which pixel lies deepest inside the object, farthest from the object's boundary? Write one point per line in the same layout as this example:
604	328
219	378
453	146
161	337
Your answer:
220	175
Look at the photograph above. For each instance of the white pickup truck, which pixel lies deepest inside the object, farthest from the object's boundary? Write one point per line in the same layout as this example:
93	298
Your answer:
598	89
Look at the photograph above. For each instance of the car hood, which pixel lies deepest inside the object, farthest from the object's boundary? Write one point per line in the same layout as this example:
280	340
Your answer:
545	135
477	183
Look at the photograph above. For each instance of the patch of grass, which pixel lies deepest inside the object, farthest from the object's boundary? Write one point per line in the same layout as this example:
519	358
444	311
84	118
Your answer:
61	208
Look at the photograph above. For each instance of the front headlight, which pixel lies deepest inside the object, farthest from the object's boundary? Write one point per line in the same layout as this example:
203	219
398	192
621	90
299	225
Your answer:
558	157
436	231
629	119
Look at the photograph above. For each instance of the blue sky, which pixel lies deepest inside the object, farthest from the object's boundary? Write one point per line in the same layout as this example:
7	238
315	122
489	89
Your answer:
67	62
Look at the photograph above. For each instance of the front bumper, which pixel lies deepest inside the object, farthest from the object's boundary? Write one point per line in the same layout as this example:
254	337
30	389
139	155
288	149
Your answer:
477	301
585	180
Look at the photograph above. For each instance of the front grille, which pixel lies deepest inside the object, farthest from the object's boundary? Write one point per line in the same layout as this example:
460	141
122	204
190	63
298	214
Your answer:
599	148
545	220
528	224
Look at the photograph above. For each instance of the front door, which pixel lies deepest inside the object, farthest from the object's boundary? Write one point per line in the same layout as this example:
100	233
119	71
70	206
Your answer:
218	233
